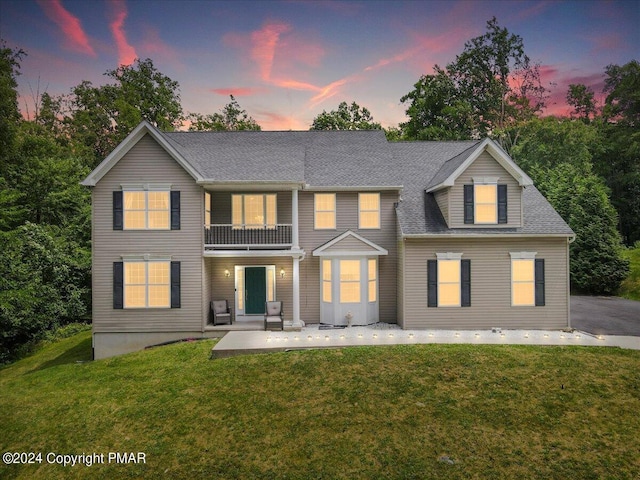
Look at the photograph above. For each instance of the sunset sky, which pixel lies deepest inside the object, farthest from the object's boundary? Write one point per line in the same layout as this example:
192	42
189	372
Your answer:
286	61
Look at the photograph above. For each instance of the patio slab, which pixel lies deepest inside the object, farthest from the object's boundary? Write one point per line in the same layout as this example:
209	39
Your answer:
244	343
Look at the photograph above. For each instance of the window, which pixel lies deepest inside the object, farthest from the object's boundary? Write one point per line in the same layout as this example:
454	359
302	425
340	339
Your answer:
146	210
527	279
369	210
349	281
146	285
373	279
449	281
253	210
207	208
326	280
486	204
325	211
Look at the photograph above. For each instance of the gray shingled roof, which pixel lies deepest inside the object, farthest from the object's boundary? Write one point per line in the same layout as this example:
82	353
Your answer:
352	159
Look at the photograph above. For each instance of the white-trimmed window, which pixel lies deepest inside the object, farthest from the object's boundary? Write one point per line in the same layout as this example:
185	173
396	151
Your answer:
486	203
324	211
326	280
349	281
372	265
449	282
368	210
146	210
147	284
523	279
253	210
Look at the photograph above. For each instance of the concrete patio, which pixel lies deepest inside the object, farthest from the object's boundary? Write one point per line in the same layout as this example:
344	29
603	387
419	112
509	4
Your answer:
312	336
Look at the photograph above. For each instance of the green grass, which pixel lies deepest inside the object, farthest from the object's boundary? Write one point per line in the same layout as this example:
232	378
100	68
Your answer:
630	288
367	412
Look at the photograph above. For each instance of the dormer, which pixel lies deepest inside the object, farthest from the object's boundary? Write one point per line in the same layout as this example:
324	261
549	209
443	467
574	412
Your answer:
480	188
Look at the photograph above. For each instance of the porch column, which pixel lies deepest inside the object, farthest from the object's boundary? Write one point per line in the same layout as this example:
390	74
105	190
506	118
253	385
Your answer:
294	221
297	323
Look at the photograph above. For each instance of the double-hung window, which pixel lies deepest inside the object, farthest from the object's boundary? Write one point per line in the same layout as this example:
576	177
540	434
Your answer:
146	210
449	281
146	285
527	280
324	211
368	210
485	202
253	210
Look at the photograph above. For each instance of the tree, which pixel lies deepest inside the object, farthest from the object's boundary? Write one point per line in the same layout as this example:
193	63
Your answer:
436	110
9	113
99	118
231	118
623	88
490	88
556	154
581	98
347	117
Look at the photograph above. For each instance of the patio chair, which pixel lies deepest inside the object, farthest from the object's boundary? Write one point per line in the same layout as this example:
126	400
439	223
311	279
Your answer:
273	315
221	312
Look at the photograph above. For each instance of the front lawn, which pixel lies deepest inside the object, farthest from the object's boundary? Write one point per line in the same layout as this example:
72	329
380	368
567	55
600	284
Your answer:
404	412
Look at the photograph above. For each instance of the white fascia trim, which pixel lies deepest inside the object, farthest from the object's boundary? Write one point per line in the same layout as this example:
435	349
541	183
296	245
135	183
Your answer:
154	187
350	253
487	235
233	185
121	150
523	255
362	188
319	252
300	254
500	156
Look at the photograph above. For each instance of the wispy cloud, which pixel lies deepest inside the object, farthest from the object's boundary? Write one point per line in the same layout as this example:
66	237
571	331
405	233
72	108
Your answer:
264	43
75	37
238	91
126	53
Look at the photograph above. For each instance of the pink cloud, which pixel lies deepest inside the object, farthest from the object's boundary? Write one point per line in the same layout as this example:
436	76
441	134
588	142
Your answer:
238	91
274	121
126	53
153	46
264	43
558	86
75	37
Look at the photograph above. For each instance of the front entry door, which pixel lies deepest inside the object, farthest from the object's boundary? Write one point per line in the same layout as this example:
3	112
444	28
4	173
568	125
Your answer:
255	290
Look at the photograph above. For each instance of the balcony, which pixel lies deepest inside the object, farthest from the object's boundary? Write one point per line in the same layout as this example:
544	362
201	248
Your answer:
247	237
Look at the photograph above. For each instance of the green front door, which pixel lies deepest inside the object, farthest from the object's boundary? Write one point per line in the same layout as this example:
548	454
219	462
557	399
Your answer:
255	290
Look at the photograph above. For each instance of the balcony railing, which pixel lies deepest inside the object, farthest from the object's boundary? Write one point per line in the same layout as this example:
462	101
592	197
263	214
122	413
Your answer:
247	236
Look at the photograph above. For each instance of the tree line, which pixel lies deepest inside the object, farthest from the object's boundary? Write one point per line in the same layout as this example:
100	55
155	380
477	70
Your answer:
587	165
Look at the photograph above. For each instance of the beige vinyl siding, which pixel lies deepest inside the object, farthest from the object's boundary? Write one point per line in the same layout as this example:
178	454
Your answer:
485	166
490	284
442	198
147	162
221	206
347	219
350	244
223	288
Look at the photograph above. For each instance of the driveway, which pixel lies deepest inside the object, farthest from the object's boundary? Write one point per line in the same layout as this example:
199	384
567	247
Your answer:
605	315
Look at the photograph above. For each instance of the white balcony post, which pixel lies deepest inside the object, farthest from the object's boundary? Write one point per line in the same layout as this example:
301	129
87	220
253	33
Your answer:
294	220
296	293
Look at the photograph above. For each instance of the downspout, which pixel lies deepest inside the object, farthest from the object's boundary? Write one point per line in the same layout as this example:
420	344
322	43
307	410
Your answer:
570	240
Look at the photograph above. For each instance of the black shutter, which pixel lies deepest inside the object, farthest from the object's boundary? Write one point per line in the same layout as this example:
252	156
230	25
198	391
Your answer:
465	284
539	282
118	287
432	283
502	204
175	284
468	204
175	210
117	210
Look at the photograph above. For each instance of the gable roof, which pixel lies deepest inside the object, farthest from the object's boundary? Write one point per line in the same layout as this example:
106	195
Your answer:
352	160
455	166
120	151
348	244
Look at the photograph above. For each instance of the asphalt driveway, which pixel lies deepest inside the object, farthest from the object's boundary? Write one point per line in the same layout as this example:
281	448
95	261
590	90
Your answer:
605	315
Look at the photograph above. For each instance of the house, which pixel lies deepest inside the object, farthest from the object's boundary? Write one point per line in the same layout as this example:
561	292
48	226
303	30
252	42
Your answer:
342	226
